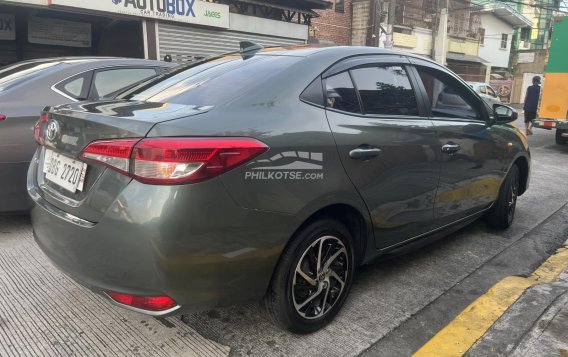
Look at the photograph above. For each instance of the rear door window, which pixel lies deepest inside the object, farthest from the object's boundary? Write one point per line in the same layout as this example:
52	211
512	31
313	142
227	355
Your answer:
491	92
385	90
108	83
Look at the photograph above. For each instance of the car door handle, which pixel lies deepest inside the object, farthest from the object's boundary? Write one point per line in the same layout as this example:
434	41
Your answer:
450	148
364	152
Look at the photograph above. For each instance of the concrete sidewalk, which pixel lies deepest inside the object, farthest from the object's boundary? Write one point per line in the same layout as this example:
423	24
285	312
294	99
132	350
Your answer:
535	325
44	313
518	316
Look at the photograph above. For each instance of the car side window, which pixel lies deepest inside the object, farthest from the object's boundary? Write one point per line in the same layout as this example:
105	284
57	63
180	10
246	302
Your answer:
340	93
491	92
448	98
385	90
108	83
76	87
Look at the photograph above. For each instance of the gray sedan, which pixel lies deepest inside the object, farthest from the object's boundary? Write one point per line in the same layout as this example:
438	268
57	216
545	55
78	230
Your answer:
268	176
27	87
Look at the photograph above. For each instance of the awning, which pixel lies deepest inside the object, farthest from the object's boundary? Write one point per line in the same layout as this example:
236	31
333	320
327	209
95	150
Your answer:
303	7
464	58
508	14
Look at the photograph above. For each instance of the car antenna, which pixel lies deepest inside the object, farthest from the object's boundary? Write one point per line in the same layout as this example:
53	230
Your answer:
249	49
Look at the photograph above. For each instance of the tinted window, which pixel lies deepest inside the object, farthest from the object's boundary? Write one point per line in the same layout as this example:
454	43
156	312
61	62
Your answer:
385	90
491	92
111	81
77	86
218	83
448	98
313	93
340	93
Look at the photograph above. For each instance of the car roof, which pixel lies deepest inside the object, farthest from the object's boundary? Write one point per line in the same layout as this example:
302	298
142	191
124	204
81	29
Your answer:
91	59
309	50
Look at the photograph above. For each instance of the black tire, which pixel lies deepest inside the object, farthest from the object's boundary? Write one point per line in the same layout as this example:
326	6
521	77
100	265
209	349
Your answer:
286	301
503	211
560	140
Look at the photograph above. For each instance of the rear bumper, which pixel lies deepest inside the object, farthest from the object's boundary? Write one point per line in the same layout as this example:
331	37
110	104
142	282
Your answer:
550	124
191	243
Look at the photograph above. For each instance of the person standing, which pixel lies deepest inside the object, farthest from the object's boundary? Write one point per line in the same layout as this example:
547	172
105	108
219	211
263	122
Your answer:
531	104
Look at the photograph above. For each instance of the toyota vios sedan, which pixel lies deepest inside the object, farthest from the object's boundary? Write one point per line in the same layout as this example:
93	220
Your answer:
268	177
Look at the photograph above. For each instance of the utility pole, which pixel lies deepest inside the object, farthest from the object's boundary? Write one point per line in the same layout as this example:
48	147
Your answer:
390	24
441	38
377	23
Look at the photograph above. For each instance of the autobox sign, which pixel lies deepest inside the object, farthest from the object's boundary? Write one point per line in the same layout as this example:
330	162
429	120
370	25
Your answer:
7	27
191	11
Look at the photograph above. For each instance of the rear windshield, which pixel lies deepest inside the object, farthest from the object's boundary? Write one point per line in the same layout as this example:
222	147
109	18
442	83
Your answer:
14	74
211	83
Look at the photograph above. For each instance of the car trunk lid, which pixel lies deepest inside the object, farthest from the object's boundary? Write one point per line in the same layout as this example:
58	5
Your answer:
68	129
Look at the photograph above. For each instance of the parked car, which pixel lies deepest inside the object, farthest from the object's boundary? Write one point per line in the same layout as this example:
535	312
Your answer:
27	87
271	176
485	92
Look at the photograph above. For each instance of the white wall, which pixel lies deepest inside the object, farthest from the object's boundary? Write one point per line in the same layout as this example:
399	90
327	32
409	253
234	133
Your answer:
269	27
31	2
491	49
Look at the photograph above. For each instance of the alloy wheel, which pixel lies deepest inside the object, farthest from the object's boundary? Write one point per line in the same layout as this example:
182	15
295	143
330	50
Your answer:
512	199
320	277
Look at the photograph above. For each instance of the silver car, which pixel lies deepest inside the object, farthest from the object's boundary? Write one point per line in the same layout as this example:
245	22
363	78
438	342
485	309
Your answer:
485	92
27	87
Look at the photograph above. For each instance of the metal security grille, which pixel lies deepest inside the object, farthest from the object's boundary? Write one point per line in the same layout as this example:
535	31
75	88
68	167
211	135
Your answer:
185	43
8	54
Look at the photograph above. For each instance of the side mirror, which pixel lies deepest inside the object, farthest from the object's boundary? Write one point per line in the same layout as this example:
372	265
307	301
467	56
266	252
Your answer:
504	114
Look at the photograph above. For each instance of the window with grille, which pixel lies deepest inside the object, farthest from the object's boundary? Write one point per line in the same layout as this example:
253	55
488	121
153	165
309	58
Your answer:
504	38
339	5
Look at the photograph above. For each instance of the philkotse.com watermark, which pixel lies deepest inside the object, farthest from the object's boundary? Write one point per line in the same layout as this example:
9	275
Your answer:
288	165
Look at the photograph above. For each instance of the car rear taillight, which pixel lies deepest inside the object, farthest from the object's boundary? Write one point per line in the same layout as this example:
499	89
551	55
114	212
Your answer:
38	130
178	160
2	117
112	153
150	303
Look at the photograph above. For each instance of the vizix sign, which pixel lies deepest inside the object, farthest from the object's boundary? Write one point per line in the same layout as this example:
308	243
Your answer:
190	11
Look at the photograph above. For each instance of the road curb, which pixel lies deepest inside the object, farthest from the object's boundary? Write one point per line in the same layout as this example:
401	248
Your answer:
456	338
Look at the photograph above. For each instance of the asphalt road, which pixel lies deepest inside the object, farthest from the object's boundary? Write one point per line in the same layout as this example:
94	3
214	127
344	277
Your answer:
394	307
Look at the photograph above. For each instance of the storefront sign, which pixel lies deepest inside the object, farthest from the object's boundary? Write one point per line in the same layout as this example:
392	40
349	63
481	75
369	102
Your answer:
7	27
59	32
190	11
503	88
526	57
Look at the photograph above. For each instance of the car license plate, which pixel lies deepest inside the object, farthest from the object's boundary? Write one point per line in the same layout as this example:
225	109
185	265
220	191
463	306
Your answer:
64	171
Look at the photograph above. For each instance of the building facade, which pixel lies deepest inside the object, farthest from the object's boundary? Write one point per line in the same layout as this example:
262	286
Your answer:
530	47
333	25
184	30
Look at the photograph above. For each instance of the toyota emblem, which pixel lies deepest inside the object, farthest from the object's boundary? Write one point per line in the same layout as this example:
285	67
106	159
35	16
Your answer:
52	131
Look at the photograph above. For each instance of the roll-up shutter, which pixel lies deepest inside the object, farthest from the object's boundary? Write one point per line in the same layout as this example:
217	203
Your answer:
8	53
186	43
